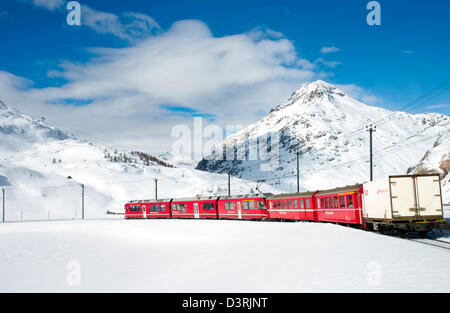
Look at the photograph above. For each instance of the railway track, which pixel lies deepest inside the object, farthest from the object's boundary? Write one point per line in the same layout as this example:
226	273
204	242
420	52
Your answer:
432	242
436	242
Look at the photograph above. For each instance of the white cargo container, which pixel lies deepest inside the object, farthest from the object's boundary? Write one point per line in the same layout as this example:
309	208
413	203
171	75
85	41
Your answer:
412	202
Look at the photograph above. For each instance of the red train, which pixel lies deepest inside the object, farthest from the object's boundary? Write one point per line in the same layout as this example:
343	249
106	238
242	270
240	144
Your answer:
341	205
403	203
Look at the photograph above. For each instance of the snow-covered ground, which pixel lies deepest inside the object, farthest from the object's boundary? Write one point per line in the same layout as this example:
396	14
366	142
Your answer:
213	256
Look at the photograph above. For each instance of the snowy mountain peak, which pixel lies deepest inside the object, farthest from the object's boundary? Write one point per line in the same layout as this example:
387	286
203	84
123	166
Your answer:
18	130
313	91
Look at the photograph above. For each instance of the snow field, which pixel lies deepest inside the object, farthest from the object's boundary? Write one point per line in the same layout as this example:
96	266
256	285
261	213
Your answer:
213	256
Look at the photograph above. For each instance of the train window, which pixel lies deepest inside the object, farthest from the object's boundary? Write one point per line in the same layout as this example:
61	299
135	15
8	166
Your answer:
157	207
302	204
295	204
320	204
350	201
208	206
251	205
229	205
151	207
135	208
285	204
262	205
179	207
280	206
163	207
308	204
336	204
326	203
342	201
244	205
331	202
290	204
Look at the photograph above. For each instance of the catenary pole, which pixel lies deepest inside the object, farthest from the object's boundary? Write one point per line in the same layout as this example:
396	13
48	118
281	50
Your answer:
371	129
229	179
82	201
298	172
3	204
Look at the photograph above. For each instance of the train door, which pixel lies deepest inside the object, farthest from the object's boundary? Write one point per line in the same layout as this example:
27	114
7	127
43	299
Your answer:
403	198
144	211
239	210
196	211
428	194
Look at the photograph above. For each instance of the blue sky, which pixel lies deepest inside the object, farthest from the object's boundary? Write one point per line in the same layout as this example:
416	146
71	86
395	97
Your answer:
44	59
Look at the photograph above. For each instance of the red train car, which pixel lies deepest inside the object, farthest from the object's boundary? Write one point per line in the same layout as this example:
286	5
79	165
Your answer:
249	207
340	205
148	209
295	206
194	207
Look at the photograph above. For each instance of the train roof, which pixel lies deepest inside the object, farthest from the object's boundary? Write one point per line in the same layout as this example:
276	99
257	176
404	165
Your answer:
210	198
149	201
340	190
258	195
293	195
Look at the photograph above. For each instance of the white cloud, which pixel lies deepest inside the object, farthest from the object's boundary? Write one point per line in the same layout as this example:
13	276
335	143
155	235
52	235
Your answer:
129	26
235	78
359	93
49	4
331	64
326	50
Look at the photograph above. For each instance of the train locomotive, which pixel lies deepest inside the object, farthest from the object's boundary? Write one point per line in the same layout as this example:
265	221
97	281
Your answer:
403	203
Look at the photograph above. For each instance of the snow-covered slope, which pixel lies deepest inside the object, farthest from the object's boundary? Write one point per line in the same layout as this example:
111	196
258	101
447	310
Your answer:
437	161
42	169
327	128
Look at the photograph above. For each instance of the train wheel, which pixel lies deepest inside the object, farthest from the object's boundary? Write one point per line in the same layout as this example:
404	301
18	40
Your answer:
402	233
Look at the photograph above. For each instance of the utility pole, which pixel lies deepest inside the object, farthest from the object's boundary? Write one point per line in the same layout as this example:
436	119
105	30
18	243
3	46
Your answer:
229	178
3	200
82	201
298	172
156	188
371	129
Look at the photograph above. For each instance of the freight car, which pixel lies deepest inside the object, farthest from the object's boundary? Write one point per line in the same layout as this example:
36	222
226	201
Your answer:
404	203
401	203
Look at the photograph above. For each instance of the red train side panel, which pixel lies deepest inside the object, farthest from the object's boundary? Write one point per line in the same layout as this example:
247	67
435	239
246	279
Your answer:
296	206
341	205
250	207
194	207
